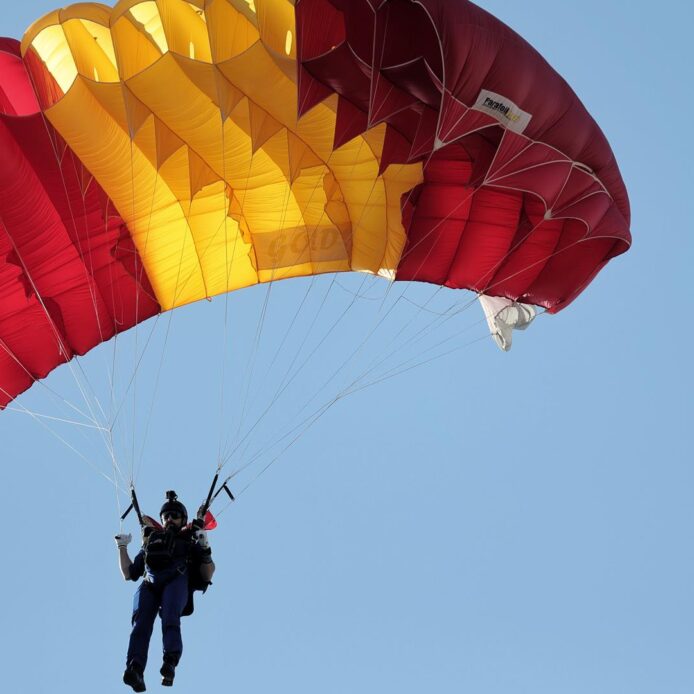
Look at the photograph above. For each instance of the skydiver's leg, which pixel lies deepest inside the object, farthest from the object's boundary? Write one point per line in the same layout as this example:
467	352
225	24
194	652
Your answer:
173	600
145	607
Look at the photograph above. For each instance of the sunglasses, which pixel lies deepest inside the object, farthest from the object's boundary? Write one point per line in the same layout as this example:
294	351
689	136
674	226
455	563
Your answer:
173	515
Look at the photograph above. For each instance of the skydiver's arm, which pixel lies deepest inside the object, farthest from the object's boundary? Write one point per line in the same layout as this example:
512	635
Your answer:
131	570
206	571
125	562
202	549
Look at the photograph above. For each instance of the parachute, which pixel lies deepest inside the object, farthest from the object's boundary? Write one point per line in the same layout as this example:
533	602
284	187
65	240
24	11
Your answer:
162	152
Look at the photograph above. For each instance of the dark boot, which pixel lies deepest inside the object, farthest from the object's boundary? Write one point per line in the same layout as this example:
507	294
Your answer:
134	677
168	672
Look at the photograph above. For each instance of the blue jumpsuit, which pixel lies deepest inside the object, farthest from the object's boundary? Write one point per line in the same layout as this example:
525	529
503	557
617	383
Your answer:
165	591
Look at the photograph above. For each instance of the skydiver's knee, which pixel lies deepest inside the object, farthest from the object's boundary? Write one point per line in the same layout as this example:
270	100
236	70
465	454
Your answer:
170	621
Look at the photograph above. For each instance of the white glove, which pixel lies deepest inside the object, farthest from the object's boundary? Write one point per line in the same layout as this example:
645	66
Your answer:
123	540
201	539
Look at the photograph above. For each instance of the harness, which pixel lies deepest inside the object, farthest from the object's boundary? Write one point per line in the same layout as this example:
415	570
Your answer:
160	549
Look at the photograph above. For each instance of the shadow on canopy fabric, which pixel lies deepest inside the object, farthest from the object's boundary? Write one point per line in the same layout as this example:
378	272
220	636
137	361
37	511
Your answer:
249	141
69	274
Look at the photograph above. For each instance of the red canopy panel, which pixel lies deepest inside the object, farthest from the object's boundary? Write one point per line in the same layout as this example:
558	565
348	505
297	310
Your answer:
522	196
70	277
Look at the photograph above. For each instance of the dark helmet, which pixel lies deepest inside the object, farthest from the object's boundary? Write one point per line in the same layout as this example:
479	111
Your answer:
173	504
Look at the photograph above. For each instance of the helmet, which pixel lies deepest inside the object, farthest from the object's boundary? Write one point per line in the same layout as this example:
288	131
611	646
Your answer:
173	504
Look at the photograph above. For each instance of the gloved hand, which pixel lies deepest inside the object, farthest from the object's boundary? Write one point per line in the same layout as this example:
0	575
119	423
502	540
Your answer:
201	539
123	539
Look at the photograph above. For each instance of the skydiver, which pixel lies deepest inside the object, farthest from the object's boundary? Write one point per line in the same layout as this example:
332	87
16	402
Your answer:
175	560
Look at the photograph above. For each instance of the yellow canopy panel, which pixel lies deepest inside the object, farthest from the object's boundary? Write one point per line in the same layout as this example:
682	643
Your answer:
186	115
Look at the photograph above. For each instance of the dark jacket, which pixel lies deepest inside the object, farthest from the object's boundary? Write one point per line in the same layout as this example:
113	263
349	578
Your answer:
166	555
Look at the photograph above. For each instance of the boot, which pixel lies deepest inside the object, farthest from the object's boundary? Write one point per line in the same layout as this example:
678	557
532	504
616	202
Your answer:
134	677
168	672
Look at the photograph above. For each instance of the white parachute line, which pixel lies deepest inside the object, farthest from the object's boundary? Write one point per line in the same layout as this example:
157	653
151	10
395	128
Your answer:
309	421
139	272
435	324
424	332
399	371
318	181
133	380
360	297
228	265
303	301
381	319
380	322
112	393
417	337
224	459
323	303
292	322
287	332
287	379
450	314
285	383
79	426
145	433
424	309
108	442
334	275
329	403
138	465
429	329
407	365
399	367
41	384
228	270
250	366
39	415
137	458
227	457
40	421
351	358
138	363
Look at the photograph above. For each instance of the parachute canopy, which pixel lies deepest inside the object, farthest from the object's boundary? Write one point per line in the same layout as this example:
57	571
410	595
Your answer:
521	194
186	149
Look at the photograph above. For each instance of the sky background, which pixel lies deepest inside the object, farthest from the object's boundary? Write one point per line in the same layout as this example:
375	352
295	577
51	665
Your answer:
487	523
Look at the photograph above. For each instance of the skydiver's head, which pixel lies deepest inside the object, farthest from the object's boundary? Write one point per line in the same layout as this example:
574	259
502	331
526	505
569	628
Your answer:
173	513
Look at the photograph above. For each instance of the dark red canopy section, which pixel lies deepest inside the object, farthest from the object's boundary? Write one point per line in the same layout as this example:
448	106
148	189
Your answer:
522	196
69	274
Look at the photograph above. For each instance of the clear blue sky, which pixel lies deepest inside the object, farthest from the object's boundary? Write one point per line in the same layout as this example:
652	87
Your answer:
490	523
